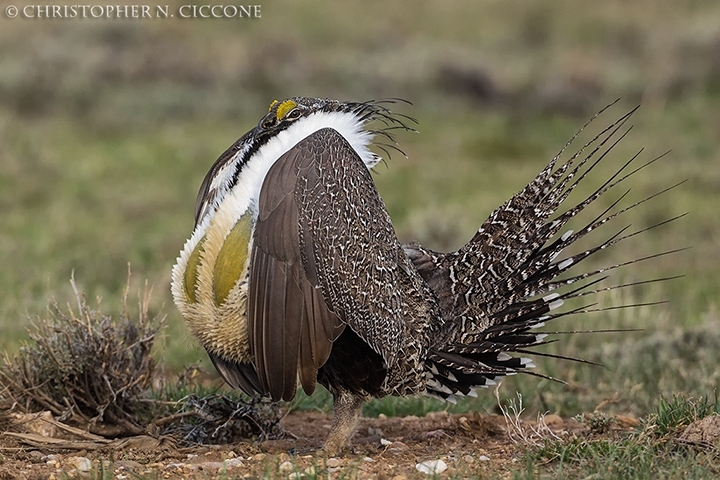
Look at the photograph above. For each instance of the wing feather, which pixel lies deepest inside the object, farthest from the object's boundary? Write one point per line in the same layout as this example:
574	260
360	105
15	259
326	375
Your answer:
291	329
239	375
324	242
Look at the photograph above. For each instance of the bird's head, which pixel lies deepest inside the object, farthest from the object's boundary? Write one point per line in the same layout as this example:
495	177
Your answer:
291	120
282	114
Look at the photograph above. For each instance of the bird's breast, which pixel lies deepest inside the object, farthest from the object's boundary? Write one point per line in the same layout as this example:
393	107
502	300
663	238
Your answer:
210	285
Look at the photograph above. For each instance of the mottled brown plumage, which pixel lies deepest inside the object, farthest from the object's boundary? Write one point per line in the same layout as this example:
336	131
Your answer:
324	291
323	234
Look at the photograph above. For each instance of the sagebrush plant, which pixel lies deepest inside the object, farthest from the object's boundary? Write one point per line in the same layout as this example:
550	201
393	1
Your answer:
88	369
597	422
97	372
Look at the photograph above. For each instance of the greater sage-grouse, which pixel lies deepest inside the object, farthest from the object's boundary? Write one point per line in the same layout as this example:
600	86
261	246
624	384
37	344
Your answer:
294	272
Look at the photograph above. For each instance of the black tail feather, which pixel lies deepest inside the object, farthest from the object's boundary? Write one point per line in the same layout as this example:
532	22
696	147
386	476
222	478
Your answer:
491	290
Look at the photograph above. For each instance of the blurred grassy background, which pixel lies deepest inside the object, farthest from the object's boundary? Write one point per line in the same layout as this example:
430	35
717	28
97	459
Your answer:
108	127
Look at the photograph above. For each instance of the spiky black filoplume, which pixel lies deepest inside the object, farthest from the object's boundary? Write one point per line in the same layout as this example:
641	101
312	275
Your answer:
294	272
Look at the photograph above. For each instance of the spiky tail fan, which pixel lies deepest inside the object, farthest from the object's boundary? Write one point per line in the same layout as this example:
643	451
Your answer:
497	289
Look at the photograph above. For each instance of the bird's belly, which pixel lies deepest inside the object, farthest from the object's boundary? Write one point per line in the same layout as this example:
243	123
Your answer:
353	366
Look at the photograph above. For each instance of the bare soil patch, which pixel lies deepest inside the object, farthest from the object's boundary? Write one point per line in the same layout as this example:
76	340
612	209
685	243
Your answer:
383	448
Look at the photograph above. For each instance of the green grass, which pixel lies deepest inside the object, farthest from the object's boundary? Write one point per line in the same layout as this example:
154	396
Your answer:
650	452
671	415
620	459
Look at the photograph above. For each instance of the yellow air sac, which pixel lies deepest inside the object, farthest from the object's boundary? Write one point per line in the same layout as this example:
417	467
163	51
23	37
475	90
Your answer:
232	259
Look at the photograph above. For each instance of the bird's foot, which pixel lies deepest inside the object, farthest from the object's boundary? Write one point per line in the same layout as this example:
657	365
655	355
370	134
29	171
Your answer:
347	407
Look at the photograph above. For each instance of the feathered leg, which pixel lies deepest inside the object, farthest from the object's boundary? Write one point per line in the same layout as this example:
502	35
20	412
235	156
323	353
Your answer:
348	407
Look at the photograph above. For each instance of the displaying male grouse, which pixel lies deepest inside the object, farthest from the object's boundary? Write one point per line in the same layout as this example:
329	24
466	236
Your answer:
294	272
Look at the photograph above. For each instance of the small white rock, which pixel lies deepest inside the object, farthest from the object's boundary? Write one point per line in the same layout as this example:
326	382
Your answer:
332	462
234	462
484	458
385	442
431	467
83	464
295	475
382	416
286	467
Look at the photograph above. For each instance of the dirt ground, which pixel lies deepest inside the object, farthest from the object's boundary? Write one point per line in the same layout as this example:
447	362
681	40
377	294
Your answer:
383	448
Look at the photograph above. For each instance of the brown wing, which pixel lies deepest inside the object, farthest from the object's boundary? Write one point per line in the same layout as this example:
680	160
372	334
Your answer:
324	256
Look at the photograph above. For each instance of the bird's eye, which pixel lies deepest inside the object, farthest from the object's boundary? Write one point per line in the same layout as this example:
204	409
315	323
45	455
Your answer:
293	114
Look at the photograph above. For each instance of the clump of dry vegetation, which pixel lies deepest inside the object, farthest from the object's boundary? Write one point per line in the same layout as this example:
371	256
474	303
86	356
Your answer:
88	369
92	372
217	419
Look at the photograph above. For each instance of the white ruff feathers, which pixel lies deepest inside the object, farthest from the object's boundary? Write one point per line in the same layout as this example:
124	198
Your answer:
246	191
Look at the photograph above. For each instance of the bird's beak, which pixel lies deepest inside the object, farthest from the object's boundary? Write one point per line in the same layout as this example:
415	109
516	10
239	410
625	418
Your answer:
264	120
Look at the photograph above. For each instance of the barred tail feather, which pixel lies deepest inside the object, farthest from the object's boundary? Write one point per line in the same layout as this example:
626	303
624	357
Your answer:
500	288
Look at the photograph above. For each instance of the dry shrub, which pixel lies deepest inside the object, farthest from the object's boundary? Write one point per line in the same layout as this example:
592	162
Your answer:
220	419
96	372
520	432
87	368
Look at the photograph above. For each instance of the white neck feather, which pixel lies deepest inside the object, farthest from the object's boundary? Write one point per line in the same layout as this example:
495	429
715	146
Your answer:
253	173
244	194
